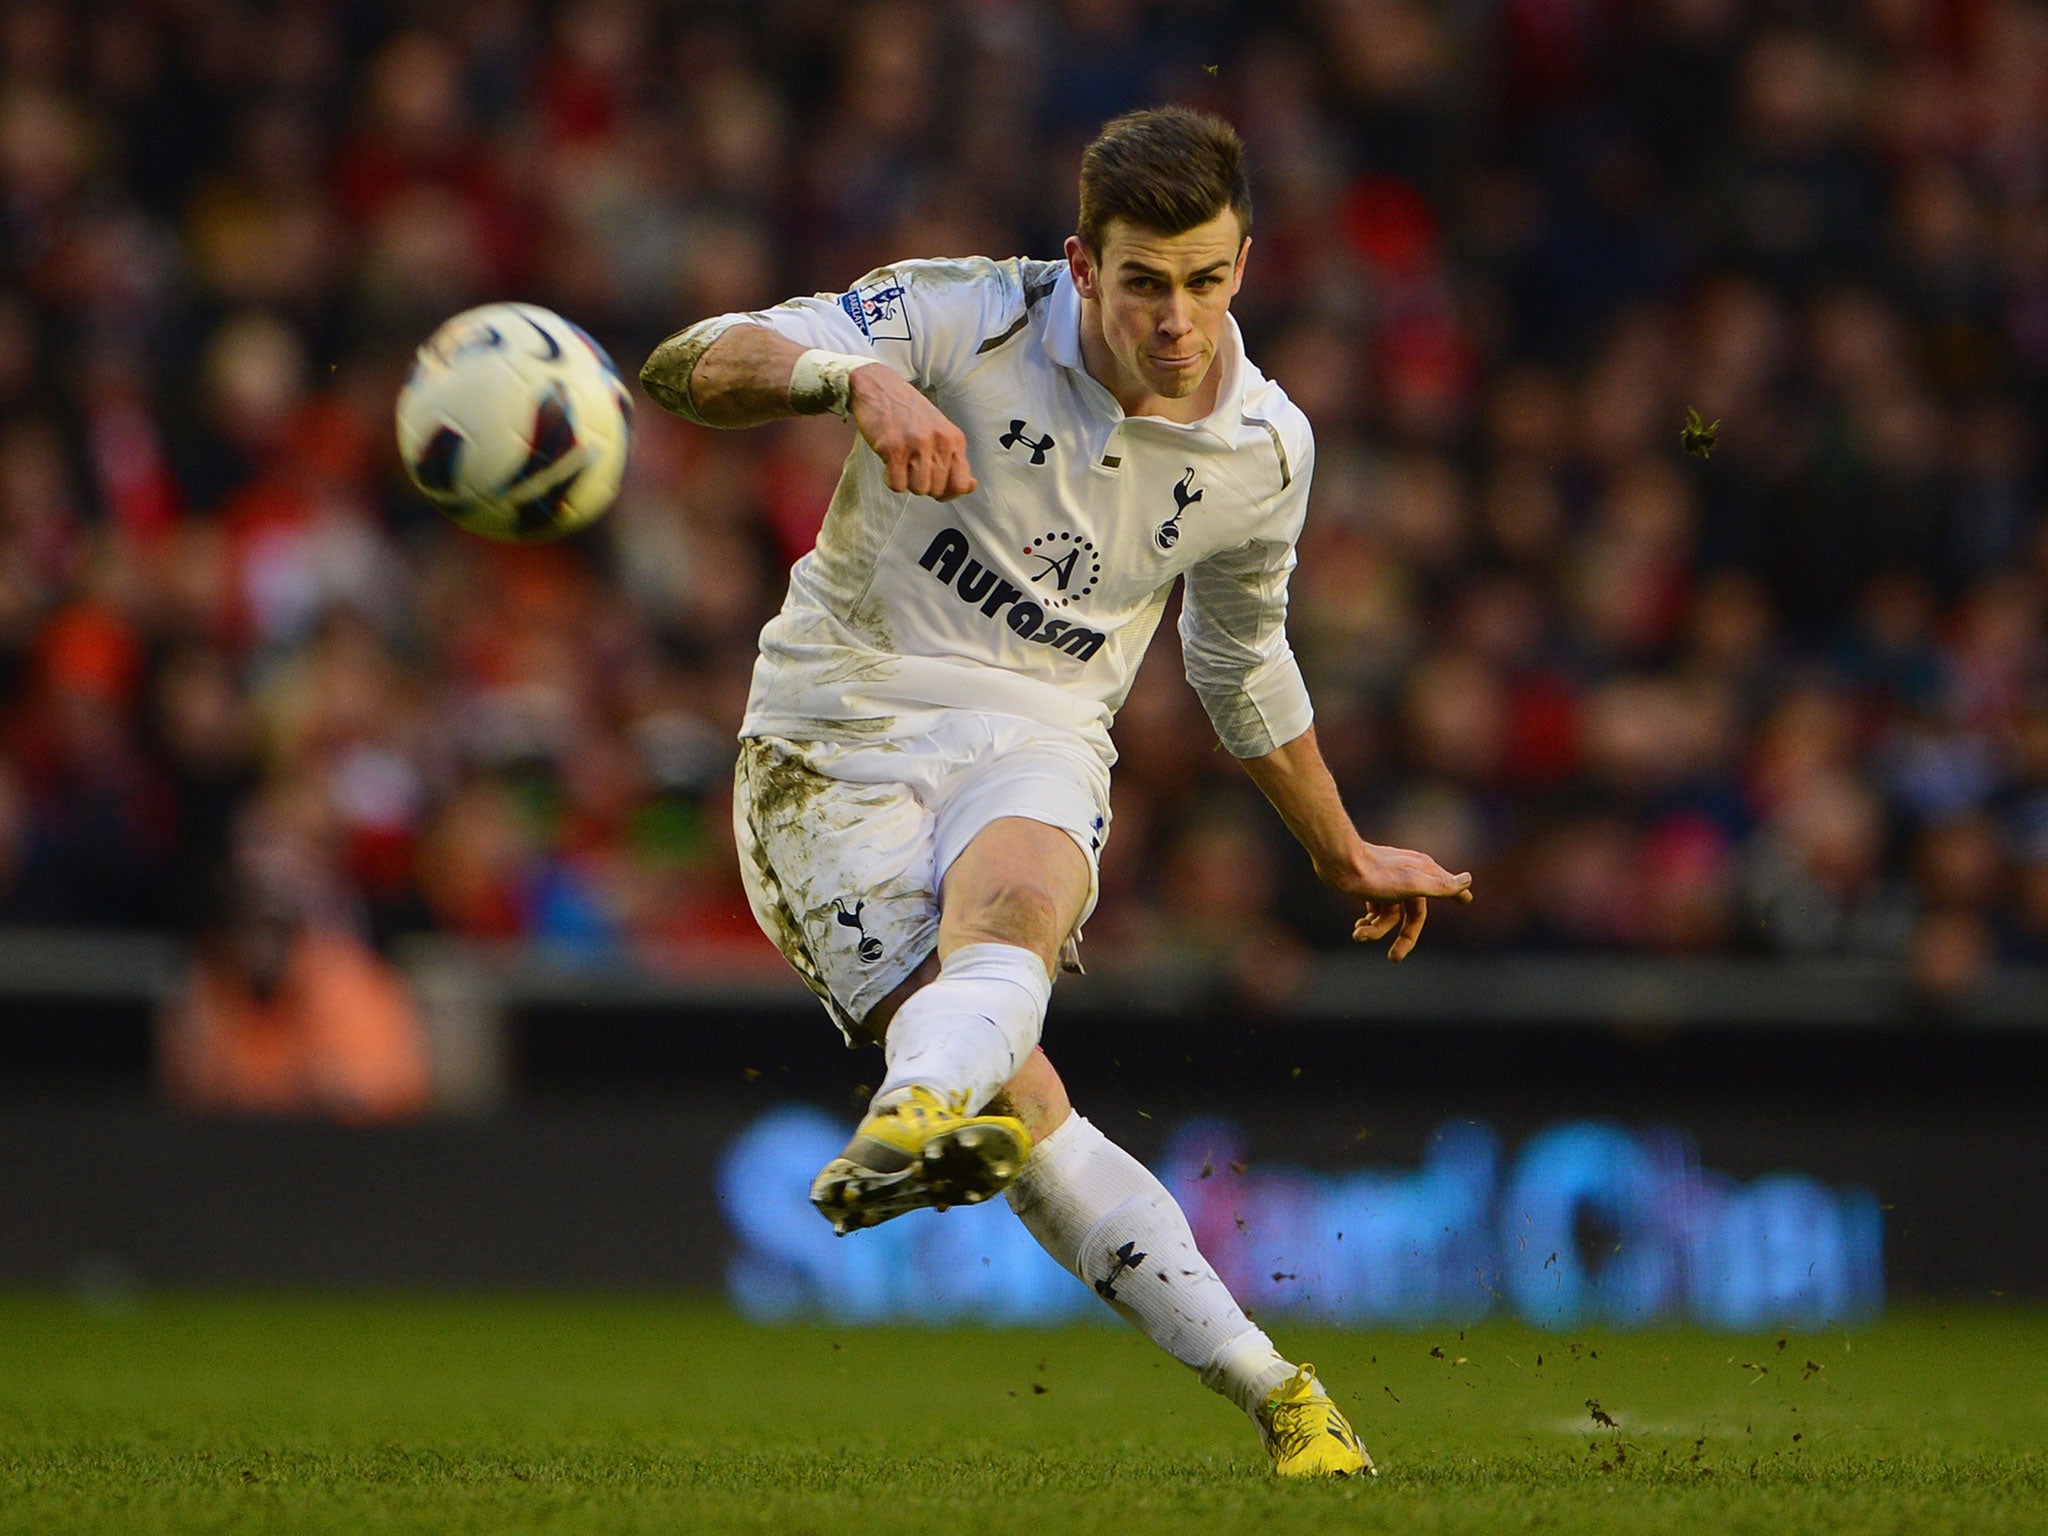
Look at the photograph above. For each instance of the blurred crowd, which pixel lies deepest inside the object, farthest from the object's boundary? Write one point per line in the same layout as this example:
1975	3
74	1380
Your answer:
1790	698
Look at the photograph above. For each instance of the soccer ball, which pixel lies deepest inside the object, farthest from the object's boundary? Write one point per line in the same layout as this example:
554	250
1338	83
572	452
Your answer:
515	423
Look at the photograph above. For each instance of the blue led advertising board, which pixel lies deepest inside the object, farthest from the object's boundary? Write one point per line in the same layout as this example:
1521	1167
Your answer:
1585	1222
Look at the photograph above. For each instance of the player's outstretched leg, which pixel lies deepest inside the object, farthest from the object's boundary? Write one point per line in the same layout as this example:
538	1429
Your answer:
1103	1214
950	1047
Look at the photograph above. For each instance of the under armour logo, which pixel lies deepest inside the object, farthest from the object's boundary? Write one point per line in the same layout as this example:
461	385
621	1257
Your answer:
870	947
1124	1258
1015	435
1168	533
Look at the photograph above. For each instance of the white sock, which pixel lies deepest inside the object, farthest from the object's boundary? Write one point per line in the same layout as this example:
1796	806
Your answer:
967	1033
1102	1214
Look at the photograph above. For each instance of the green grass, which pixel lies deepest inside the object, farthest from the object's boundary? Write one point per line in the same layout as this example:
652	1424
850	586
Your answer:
518	1414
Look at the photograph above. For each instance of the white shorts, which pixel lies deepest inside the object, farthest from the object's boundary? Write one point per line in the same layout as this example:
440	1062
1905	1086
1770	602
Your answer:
843	844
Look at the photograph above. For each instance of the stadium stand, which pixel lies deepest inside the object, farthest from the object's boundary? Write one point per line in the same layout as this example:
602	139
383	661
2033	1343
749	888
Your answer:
1789	699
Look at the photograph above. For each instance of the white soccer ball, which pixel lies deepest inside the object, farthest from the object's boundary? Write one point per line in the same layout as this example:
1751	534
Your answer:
515	423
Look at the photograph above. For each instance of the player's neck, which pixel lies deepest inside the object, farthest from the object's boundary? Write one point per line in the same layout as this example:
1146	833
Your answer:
1131	392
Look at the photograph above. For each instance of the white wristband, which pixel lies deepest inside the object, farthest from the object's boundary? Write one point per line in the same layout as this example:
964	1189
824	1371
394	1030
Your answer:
823	381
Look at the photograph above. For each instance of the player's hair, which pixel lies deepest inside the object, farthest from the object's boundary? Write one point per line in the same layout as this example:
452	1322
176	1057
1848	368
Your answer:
1164	170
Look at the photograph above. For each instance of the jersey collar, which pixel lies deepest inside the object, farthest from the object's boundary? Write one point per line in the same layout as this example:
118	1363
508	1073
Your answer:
1063	346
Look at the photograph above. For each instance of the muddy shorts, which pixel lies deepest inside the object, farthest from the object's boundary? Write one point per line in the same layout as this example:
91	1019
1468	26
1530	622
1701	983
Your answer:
843	844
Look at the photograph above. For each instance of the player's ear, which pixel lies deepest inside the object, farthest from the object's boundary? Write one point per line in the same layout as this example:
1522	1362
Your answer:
1081	263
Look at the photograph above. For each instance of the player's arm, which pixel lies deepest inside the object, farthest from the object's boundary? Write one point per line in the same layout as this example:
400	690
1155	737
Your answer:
1394	883
1233	631
925	321
746	375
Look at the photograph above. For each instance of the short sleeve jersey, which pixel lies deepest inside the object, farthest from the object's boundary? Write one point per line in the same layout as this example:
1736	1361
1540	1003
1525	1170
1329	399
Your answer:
1037	593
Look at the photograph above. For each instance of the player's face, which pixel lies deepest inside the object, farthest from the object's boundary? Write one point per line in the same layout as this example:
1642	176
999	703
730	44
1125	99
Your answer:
1162	299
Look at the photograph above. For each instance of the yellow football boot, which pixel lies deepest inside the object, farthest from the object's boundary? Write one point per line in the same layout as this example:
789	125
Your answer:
1306	1433
918	1152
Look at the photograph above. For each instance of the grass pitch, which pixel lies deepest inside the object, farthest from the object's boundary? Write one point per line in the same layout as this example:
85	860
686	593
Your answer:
516	1414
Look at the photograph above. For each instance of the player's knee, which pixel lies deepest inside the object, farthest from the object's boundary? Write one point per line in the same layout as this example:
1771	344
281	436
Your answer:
1016	912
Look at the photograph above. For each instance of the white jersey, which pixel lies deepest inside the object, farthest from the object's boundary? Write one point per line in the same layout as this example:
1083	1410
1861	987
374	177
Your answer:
1037	593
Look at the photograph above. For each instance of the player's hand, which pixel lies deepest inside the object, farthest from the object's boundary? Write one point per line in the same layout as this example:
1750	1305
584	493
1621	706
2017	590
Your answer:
921	451
1395	884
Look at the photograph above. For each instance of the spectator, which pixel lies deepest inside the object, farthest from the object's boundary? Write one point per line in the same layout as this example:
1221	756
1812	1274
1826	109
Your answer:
286	1012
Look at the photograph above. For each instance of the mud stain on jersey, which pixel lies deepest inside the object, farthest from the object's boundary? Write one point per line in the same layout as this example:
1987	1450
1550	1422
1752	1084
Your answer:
849	549
868	620
874	728
852	666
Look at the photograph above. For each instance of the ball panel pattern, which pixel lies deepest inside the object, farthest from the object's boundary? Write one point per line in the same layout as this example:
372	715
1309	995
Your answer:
434	469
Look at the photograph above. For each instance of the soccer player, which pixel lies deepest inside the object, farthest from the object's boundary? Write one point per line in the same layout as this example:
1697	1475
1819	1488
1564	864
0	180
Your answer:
923	782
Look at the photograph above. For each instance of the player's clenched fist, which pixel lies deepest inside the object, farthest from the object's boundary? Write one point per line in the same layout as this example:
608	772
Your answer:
921	451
